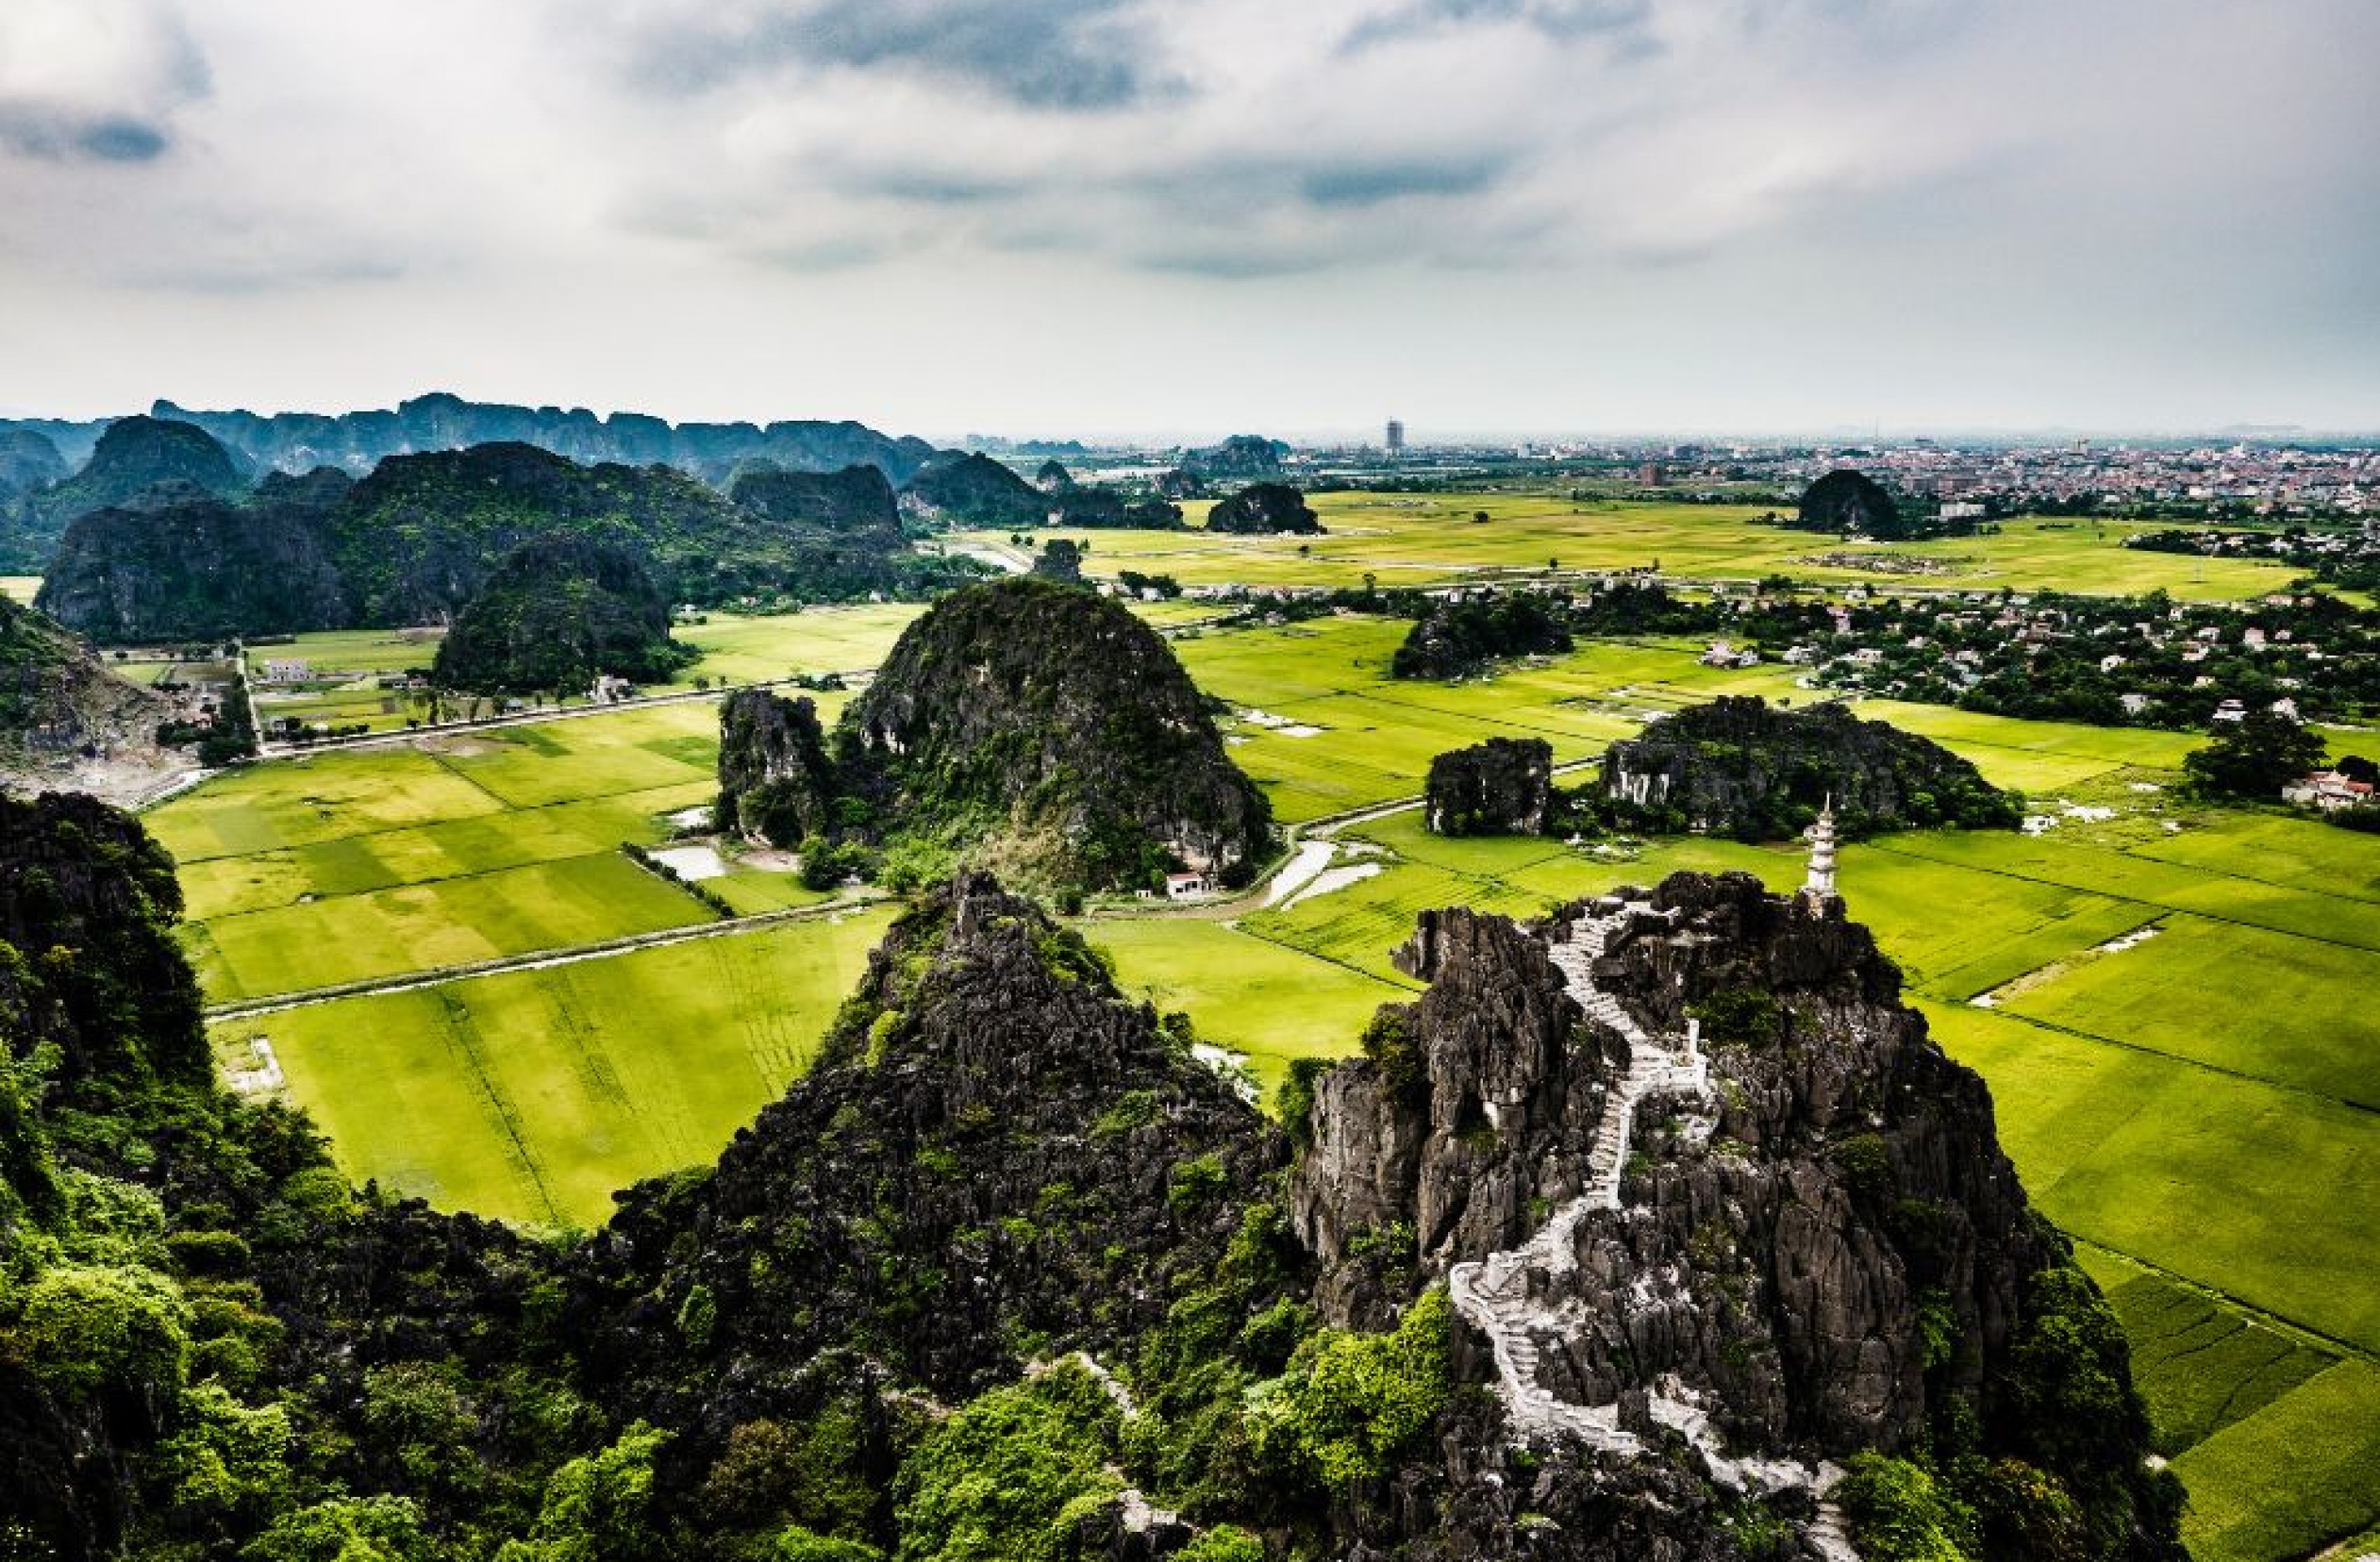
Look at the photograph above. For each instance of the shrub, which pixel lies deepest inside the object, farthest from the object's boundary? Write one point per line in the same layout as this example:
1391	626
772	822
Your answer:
1355	1400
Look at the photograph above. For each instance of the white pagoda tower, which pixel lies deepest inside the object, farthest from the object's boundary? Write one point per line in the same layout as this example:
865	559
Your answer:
1820	887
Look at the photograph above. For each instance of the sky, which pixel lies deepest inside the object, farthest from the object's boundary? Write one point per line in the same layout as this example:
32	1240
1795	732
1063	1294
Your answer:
1188	218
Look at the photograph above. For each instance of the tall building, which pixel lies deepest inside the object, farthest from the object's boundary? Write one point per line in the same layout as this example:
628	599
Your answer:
1396	437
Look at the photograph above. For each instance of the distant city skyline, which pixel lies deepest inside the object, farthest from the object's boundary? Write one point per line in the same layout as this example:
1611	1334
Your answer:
1150	218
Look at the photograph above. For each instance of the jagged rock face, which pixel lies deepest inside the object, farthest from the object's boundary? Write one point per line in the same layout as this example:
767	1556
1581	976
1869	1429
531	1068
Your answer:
196	569
1849	501
857	502
1502	787
973	490
1760	1245
1738	766
994	1135
1179	483
558	612
1265	508
66	722
775	780
1067	721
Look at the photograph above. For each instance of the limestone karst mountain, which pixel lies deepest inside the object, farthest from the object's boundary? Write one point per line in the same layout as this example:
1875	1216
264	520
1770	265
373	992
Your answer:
1502	787
414	540
1051	721
1265	509
1724	1227
560	613
973	490
1739	766
138	462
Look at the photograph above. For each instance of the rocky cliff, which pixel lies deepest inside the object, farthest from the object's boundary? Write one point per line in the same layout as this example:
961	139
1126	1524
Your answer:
29	461
1263	510
1718	1219
856	503
194	569
973	490
776	782
69	722
1738	766
1502	787
560	611
1055	731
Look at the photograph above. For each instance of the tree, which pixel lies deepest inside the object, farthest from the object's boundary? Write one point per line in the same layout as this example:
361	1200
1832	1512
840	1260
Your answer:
2256	758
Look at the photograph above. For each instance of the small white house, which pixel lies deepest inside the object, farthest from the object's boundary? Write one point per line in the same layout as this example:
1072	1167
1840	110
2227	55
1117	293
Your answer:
1185	886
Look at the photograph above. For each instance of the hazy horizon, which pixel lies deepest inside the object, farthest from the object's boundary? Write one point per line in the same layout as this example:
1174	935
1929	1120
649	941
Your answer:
1080	218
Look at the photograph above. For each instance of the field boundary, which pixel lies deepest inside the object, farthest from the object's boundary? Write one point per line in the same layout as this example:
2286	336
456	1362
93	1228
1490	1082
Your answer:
416	981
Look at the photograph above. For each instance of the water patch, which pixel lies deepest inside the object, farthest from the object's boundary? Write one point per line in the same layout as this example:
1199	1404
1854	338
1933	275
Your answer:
692	862
1312	858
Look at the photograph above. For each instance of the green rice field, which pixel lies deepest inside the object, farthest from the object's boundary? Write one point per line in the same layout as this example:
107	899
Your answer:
1416	539
531	1095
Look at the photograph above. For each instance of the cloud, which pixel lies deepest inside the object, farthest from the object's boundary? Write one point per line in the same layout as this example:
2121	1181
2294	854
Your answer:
1559	19
95	80
1065	54
1545	201
63	134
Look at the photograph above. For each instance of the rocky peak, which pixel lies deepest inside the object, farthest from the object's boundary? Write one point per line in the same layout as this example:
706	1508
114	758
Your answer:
560	612
857	499
1701	1189
1068	725
776	782
1026	1153
973	490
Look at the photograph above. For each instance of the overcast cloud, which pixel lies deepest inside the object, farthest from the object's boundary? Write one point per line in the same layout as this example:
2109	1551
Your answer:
1200	216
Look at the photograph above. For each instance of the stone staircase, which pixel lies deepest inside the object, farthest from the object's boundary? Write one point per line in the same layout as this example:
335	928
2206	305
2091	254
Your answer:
1500	1296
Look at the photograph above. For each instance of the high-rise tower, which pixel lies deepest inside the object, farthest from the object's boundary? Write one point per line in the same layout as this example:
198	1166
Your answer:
1395	440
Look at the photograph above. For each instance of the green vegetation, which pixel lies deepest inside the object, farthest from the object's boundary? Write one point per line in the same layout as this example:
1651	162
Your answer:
1005	1479
1350	1402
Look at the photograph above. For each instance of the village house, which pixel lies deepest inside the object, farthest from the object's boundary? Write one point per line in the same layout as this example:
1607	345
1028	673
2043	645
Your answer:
2327	790
1185	886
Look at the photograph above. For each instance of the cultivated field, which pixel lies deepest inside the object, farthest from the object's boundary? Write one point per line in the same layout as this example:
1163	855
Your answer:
1413	539
533	1095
